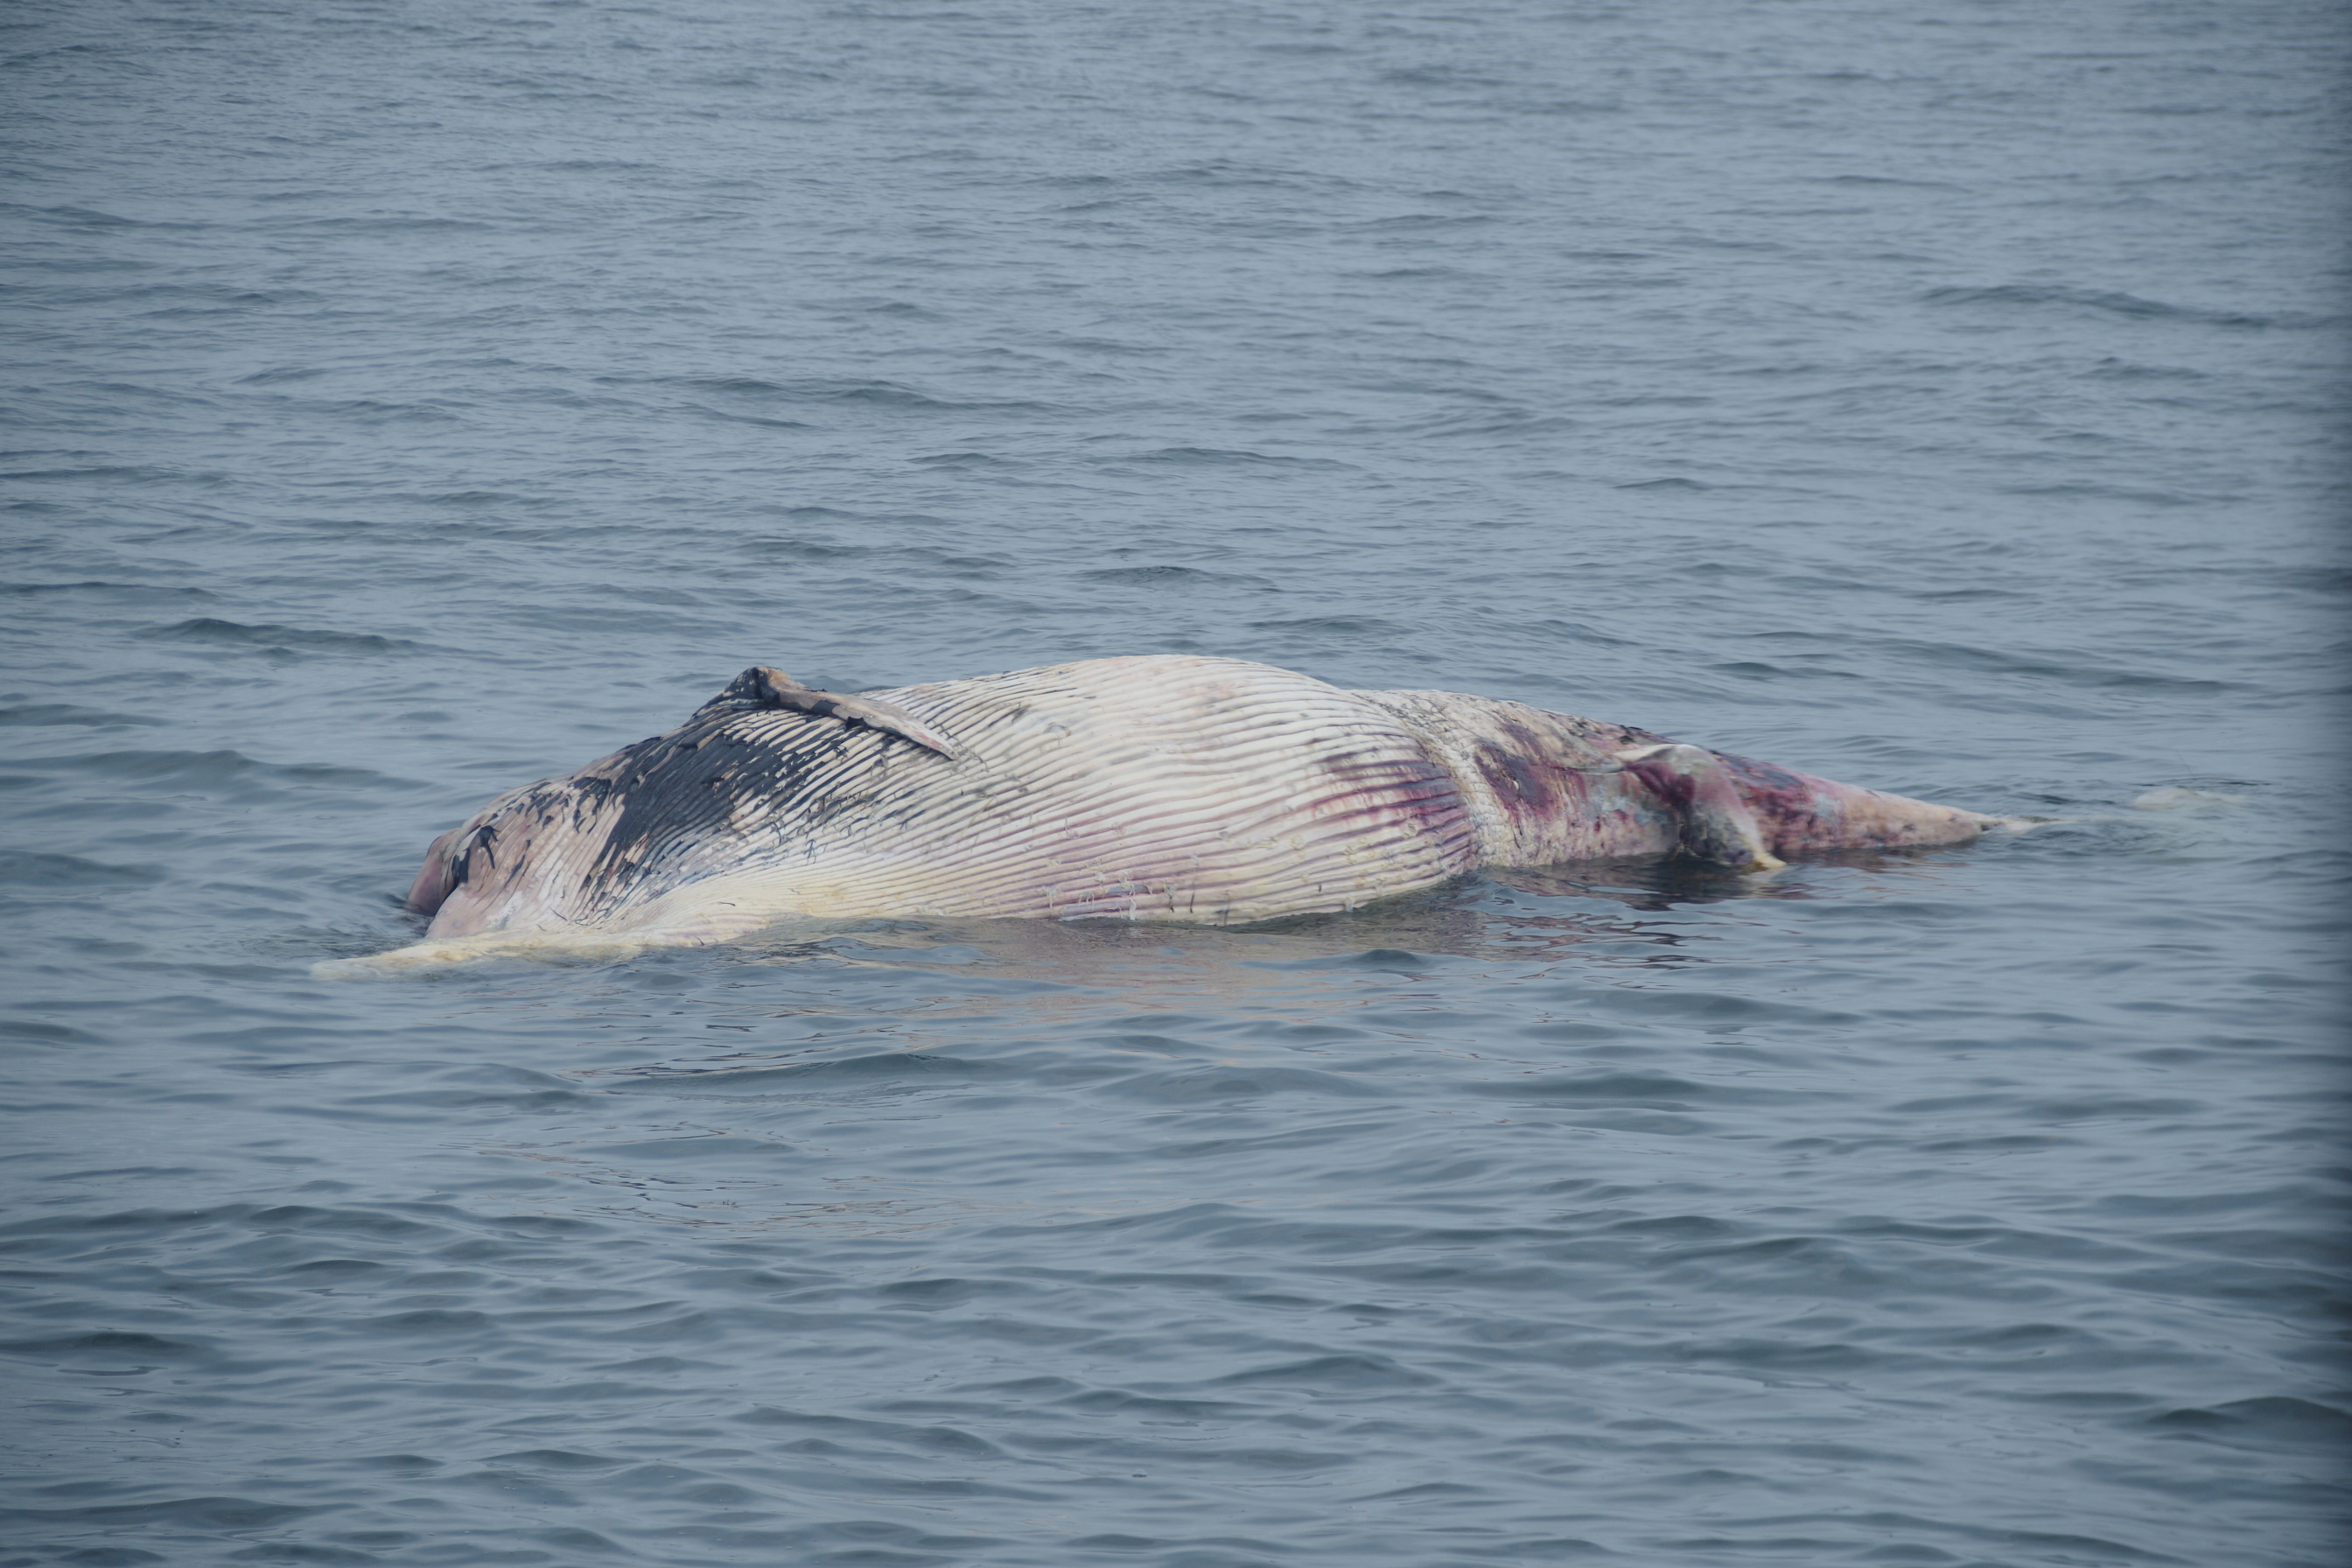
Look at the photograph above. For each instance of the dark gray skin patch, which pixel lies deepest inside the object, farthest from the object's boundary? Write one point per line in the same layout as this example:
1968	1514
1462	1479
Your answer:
670	792
482	841
675	787
652	804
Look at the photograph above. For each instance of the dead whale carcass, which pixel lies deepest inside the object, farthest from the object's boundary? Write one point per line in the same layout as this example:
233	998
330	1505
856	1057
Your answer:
1154	788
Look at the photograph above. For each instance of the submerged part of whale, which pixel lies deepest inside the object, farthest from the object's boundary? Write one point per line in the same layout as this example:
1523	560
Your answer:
1158	788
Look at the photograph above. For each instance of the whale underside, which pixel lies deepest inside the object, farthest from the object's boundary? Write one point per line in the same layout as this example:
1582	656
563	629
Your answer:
1157	788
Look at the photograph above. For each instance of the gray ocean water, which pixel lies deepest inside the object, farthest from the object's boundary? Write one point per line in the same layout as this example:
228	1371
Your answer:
407	400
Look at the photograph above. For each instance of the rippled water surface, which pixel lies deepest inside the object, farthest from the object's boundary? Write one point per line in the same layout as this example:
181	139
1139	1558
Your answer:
409	400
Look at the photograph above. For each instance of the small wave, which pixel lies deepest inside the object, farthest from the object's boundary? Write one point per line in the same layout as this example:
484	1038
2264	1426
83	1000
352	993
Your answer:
2108	492
1170	577
2113	368
759	420
1486	422
593	166
107	1346
1339	626
2105	301
964	460
1439	76
1753	668
233	773
866	394
63	713
1223	1086
819	550
220	296
181	1513
2080	671
421	226
377	411
47	1034
1383	959
92	218
860	519
1219	454
28	867
1219	173
2176	798
118	473
1879	179
1348	1372
207	628
2275	1418
470	501
694	1148
857	1074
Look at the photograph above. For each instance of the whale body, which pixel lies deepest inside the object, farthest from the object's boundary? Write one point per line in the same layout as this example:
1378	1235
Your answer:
1155	788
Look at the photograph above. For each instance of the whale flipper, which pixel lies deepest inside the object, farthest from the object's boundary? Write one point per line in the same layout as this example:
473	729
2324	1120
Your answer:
1717	824
759	687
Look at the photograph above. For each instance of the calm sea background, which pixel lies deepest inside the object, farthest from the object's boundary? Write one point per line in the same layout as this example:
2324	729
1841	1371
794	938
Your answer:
407	400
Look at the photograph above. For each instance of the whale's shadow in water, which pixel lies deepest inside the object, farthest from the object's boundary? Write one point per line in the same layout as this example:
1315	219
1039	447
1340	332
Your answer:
1655	885
1542	913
